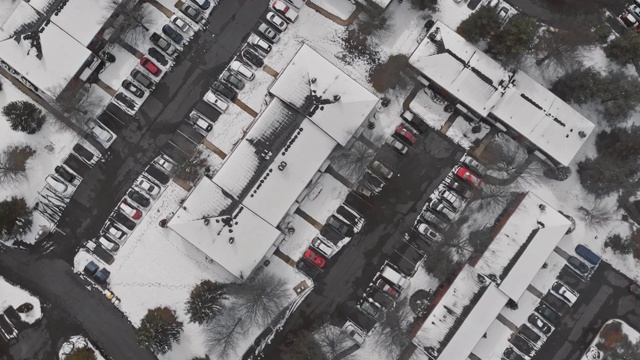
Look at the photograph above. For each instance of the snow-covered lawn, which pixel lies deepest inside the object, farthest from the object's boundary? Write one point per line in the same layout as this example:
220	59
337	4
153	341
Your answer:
12	295
460	132
295	244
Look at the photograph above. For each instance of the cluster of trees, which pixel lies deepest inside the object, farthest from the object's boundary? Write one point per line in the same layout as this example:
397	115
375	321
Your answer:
624	49
614	168
15	218
24	116
13	163
255	302
615	344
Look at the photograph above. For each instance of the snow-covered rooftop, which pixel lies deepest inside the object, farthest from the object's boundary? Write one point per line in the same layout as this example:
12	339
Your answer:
326	95
18	16
237	241
484	86
82	19
62	55
491	346
290	172
522	246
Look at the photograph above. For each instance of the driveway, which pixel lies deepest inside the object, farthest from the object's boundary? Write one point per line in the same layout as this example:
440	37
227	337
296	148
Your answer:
605	296
349	272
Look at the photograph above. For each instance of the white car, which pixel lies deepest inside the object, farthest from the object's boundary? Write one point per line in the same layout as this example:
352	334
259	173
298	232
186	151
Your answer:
149	187
260	44
428	232
326	249
164	163
451	198
181	24
355	332
242	70
277	21
216	101
56	184
398	146
564	293
130	210
115	232
100	132
108	244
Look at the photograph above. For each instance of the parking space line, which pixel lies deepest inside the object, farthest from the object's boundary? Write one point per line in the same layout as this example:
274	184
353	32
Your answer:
308	218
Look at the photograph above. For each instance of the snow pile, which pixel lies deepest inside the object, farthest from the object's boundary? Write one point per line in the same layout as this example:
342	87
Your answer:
13	295
77	342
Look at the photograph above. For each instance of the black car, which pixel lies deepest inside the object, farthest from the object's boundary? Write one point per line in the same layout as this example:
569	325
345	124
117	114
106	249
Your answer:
435	220
381	299
65	174
308	268
157	174
252	58
429	24
232	80
510	354
339	226
577	264
172	34
372	182
528	333
163	44
142	79
548	314
124	220
522	345
539	324
133	88
138	198
126	101
158	56
348	215
224	90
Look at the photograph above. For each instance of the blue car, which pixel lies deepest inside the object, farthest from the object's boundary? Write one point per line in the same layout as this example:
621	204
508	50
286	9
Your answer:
172	34
588	255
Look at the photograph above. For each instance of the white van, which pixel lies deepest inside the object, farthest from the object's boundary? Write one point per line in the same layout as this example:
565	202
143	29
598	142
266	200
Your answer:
393	276
57	184
242	70
108	244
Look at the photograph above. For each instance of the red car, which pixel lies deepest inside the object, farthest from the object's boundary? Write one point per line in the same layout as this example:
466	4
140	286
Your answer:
406	134
130	210
150	66
387	289
315	258
468	176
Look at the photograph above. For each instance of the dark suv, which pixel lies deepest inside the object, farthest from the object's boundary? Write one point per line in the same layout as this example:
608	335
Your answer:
549	314
522	345
224	90
142	79
511	354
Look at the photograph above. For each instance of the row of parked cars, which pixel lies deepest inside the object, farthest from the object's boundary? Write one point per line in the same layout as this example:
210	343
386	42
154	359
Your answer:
548	314
630	17
130	209
167	46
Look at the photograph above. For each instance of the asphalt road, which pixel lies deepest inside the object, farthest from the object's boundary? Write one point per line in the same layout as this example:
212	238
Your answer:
604	297
49	275
349	272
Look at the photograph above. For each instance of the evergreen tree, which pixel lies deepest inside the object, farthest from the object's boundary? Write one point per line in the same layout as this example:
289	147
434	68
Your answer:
480	25
514	39
24	116
620	245
205	301
15	218
578	86
159	329
301	345
624	49
81	354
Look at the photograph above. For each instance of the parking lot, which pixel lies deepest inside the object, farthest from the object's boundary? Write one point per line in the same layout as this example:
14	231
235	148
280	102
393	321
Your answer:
604	297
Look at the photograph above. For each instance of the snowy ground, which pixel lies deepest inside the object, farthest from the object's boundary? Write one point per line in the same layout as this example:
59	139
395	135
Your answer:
119	70
295	245
13	295
77	342
230	128
460	132
340	8
254	93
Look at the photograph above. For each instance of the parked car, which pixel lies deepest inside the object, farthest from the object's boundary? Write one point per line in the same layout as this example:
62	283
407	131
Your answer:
473	165
200	122
586	253
564	292
315	258
398	146
130	210
281	8
110	245
150	66
439	207
64	174
628	20
307	268
450	198
157	56
138	198
380	299
459	188
503	12
466	175
269	33
115	231
381	170
577	264
635	289
522	345
142	79
99	131
355	332
148	186
181	24
415	121
232	80
339	226
165	163
510	354
386	288
202	4
252	58
539	324
57	185
224	90
258	43
123	220
393	276
133	88
324	248
172	34
548	314
406	135
526	332
242	70
276	21
372	182
435	220
429	232
371	310
190	12
126	101
216	101
163	44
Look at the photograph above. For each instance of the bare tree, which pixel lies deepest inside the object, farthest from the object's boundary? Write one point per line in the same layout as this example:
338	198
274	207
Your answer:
80	105
393	335
132	20
371	24
492	198
261	297
13	163
333	341
353	162
559	46
223	335
598	214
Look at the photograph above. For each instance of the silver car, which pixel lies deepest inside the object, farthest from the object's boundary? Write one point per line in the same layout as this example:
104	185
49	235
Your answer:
269	33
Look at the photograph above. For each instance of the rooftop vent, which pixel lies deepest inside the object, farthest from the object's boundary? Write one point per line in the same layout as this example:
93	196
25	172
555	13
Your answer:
282	165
